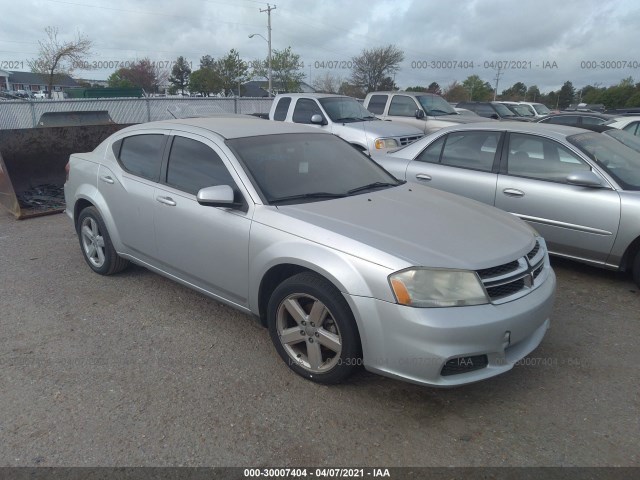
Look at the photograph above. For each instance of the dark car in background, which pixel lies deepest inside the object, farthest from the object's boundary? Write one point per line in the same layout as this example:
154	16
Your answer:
577	118
495	110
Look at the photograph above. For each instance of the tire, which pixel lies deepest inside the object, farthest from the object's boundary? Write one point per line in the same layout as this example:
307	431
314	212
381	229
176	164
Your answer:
313	329
635	269
96	245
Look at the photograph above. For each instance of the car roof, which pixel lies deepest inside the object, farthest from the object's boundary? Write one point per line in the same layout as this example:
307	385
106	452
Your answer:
229	126
403	92
549	129
312	95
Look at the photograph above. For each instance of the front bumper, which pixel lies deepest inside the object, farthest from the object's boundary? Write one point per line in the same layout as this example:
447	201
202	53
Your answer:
414	344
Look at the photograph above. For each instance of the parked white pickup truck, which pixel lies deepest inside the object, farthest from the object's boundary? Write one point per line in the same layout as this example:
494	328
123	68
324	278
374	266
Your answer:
344	117
426	111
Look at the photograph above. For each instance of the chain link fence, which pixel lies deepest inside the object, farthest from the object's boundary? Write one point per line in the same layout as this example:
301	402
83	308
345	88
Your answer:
26	114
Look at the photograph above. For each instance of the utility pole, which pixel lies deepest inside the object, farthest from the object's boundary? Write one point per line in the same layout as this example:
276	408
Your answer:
497	79
268	10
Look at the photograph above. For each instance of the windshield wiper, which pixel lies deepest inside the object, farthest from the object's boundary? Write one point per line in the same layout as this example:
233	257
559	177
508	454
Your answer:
350	119
304	196
373	185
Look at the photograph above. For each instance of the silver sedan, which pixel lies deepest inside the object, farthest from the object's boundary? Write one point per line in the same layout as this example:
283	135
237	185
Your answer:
344	264
579	189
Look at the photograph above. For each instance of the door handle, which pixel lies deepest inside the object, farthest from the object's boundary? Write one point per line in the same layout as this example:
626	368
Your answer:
512	192
166	201
424	177
107	179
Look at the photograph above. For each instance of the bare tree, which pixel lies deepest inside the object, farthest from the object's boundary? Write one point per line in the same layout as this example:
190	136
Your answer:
375	67
327	83
56	58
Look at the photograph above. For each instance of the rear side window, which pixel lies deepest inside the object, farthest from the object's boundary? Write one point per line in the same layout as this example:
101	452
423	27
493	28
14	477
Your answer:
193	165
142	155
403	106
281	109
632	128
377	103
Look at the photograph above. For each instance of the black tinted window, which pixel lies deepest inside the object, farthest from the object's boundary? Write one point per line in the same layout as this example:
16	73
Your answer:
193	165
304	110
142	155
431	154
403	106
474	150
593	120
282	108
377	103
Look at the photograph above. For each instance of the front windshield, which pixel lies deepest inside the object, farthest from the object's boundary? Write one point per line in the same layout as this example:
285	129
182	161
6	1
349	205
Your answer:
523	110
503	111
345	109
617	159
303	167
434	105
541	109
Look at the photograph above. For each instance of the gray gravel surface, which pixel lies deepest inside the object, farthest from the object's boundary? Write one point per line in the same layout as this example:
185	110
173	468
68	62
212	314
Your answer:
136	370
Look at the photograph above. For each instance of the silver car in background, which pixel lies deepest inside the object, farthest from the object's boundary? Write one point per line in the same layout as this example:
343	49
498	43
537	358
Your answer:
579	189
343	263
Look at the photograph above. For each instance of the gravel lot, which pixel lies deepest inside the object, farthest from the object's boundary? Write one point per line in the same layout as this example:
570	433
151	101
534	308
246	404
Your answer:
135	370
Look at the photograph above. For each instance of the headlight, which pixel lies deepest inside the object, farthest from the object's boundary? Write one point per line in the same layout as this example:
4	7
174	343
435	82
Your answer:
436	287
385	143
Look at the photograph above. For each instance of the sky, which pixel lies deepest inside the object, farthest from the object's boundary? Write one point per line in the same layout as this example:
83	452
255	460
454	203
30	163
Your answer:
536	42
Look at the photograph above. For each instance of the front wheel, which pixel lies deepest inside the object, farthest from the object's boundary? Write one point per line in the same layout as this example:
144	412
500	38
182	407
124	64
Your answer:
96	245
313	329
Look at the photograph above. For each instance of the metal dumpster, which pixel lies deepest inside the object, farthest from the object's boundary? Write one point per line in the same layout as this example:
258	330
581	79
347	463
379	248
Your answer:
32	160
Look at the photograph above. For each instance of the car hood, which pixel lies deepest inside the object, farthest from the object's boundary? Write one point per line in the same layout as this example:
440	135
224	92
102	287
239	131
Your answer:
382	128
408	225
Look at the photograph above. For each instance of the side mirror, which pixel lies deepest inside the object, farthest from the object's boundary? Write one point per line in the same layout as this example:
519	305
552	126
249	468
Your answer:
217	196
585	179
495	116
317	119
419	114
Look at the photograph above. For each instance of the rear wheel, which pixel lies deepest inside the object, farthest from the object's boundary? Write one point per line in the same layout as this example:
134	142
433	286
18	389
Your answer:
96	245
313	329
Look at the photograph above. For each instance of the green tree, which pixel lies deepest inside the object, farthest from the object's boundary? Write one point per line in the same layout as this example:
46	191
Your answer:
205	81
57	59
566	95
285	70
143	74
416	89
351	90
454	92
232	70
373	67
516	92
533	94
180	73
477	89
434	88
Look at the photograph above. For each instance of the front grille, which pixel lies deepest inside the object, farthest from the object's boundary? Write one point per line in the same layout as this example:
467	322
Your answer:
459	365
534	251
505	290
510	280
499	270
407	140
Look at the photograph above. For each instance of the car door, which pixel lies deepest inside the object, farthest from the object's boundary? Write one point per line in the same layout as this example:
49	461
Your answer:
203	245
460	162
576	221
304	109
127	185
402	108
